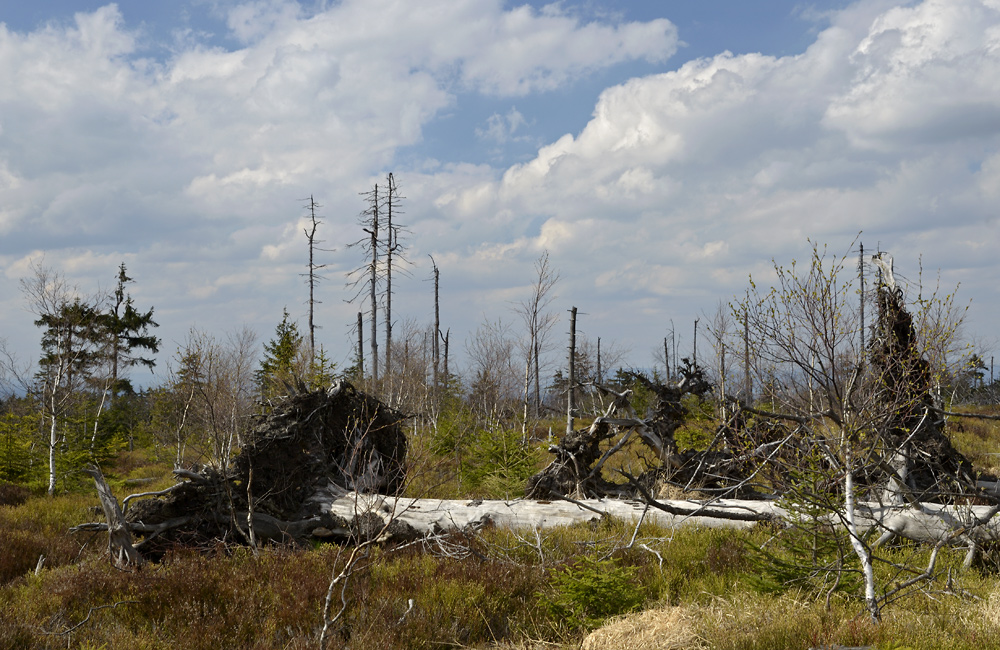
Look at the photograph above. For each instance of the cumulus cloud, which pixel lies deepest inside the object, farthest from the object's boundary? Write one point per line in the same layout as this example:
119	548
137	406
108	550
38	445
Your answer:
923	75
681	183
887	124
190	167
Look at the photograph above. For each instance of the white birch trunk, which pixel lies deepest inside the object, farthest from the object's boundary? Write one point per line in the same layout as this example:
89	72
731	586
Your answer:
53	441
862	551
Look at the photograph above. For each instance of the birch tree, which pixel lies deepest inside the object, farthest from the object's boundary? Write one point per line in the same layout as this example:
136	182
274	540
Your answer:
866	421
69	350
538	323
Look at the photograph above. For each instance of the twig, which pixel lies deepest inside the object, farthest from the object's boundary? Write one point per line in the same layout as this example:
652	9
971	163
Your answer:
89	613
578	503
976	416
700	511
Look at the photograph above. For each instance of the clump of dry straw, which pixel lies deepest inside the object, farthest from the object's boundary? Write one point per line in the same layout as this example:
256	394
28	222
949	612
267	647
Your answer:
668	628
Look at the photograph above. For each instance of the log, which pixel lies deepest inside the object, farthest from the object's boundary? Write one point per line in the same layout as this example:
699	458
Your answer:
928	523
432	516
350	516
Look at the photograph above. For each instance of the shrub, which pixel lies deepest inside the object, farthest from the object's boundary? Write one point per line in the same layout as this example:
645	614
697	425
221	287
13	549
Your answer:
498	464
589	591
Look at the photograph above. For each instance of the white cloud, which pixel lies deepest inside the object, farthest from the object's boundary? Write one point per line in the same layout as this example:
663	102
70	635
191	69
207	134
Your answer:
681	183
191	167
924	74
500	129
734	159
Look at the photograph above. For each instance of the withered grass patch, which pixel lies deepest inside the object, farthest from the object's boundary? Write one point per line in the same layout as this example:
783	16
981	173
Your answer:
669	628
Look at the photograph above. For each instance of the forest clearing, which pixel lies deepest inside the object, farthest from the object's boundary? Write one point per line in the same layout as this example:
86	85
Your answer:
816	479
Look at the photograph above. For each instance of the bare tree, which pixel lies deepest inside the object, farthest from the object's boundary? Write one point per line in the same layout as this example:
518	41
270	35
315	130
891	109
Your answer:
312	275
940	323
537	324
393	257
492	377
226	388
366	277
384	254
720	327
437	337
571	375
173	409
867	421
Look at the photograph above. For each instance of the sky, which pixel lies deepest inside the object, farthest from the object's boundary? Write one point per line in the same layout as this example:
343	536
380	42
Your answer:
660	151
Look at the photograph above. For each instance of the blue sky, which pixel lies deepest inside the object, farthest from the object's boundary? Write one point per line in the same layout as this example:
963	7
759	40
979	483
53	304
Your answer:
659	151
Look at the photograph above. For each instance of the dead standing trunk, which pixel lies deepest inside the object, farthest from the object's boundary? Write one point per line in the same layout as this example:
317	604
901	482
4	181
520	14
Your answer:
571	383
123	554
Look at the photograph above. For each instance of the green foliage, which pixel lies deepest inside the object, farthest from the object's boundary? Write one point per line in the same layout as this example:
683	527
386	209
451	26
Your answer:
322	370
280	356
643	399
452	429
489	461
126	330
71	341
498	464
698	429
810	556
16	434
584	594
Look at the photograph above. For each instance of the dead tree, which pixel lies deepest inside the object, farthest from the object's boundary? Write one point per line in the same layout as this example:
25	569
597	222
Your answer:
581	455
366	278
537	323
308	449
435	344
123	553
393	257
312	275
571	379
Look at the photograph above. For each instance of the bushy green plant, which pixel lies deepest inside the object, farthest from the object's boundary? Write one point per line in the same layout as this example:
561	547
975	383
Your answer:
15	446
812	555
498	464
587	592
451	431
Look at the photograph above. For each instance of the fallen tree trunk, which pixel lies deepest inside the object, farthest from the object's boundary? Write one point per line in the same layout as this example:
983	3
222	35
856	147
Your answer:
927	523
353	517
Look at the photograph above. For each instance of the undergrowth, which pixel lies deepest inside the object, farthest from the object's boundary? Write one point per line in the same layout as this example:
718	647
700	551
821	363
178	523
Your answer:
738	589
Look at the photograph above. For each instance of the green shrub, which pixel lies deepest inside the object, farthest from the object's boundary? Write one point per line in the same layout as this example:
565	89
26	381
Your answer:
498	465
586	593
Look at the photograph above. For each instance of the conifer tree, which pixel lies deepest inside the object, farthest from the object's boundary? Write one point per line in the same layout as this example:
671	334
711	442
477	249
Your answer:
279	365
126	330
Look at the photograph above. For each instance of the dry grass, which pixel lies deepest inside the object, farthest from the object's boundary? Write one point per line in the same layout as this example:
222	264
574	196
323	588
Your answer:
977	439
990	610
674	493
669	628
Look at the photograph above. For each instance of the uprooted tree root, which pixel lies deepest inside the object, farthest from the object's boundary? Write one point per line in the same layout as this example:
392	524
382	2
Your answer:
310	445
578	467
752	452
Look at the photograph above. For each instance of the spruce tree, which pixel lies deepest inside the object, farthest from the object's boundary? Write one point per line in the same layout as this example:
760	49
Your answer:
126	331
279	367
